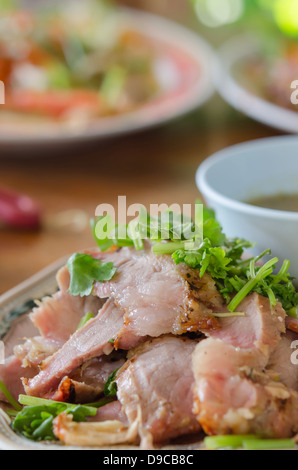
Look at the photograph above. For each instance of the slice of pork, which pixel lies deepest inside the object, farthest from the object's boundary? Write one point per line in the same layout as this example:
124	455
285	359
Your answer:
153	297
157	382
159	297
234	396
94	339
260	328
234	392
292	324
86	384
57	317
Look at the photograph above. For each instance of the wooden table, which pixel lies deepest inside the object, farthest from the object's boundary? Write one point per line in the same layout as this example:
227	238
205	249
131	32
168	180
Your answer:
156	166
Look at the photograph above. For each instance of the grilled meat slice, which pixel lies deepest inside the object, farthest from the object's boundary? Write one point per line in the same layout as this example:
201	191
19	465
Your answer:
292	324
92	340
159	297
234	396
86	384
234	392
157	380
260	328
57	317
149	296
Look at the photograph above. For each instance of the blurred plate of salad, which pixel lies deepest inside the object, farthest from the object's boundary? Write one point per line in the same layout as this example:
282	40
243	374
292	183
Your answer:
91	69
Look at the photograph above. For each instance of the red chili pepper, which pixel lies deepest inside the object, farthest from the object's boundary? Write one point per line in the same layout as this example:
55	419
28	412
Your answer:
18	210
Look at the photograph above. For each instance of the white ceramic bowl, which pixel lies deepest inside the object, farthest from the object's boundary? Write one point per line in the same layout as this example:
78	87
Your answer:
244	172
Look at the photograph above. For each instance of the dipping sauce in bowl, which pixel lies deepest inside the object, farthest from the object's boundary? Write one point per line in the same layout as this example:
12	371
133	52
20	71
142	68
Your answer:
253	188
280	202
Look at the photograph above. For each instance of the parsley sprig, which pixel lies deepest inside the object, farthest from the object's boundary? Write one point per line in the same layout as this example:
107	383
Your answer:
215	254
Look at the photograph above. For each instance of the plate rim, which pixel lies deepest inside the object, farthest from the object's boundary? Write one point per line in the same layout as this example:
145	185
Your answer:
235	94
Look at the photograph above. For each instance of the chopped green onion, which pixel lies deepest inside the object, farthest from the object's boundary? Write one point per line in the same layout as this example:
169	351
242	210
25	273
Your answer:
263	272
27	400
167	248
222	442
268	444
9	397
283	272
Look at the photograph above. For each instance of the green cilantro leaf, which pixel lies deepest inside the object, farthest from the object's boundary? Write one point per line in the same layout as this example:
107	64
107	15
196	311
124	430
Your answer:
84	270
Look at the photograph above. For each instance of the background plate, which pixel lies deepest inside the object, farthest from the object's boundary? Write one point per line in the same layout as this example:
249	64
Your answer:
185	74
242	99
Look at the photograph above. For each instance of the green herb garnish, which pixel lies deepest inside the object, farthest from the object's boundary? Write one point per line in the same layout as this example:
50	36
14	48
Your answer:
248	442
269	444
35	420
9	397
84	270
214	253
106	233
227	441
110	388
234	276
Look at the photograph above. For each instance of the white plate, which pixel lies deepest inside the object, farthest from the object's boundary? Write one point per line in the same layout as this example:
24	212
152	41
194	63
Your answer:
185	77
257	108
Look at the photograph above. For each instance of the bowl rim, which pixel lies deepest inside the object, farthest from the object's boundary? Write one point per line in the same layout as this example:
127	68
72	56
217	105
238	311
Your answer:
208	191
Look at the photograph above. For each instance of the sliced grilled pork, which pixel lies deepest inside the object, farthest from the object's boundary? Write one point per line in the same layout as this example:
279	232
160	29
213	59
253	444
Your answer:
92	340
86	384
159	297
234	393
292	324
154	297
157	381
57	317
260	328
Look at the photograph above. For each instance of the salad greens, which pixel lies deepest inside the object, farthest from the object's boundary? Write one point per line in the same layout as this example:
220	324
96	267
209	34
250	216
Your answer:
35	420
215	254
